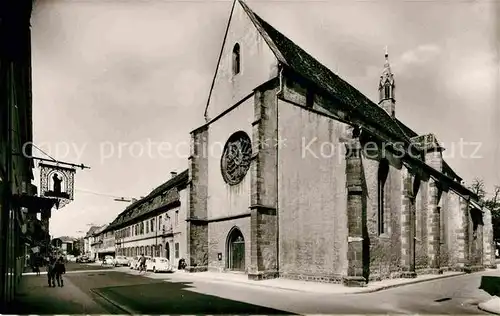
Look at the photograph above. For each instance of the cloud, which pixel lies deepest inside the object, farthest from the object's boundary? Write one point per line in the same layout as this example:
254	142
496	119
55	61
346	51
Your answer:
476	79
417	56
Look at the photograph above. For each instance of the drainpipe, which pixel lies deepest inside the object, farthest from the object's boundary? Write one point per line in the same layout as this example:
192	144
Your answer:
278	93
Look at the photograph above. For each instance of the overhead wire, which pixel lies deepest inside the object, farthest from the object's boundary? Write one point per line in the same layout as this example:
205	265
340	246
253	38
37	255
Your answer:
103	194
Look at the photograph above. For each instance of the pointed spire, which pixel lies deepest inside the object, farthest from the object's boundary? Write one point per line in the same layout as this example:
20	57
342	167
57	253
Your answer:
387	67
387	86
387	75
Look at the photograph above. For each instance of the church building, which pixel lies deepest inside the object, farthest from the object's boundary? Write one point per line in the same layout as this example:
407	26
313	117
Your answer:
297	174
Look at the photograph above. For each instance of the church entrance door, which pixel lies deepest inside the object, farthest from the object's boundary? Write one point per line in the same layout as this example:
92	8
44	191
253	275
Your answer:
236	251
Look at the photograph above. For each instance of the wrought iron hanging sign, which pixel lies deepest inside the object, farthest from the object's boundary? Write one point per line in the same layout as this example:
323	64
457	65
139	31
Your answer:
57	182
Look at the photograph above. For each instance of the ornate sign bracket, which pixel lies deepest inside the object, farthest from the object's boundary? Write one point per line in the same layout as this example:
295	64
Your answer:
56	181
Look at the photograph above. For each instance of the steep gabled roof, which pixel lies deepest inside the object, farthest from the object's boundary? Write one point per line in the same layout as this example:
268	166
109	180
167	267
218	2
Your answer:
91	231
408	131
291	55
66	239
140	207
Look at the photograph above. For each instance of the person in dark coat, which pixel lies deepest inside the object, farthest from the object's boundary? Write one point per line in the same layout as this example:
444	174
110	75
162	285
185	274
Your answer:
59	270
50	271
36	265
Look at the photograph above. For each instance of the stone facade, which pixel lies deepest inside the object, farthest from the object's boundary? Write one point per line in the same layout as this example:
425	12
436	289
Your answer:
328	195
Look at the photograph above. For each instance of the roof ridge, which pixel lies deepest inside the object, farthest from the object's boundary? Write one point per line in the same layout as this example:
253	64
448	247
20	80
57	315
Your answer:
256	20
166	186
304	63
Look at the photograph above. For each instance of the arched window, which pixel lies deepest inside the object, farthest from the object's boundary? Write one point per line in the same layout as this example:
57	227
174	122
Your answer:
383	172
236	59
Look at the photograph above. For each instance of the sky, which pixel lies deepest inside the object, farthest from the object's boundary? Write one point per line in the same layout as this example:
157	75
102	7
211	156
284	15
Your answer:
113	77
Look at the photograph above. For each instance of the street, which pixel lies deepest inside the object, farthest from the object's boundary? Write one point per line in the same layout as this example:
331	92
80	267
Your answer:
119	291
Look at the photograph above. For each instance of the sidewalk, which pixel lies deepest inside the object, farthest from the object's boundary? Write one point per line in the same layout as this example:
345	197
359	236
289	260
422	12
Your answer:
294	285
35	297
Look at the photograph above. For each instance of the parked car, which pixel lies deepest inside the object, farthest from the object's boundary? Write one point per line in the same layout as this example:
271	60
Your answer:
132	261
108	260
120	261
70	258
158	264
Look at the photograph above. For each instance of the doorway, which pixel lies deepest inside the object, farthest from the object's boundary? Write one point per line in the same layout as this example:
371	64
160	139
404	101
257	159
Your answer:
236	251
167	251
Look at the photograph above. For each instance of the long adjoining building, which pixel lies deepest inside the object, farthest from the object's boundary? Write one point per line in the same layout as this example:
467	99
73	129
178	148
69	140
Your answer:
154	225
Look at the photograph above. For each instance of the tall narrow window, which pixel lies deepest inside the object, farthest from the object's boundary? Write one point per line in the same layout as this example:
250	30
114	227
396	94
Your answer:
387	91
176	250
236	59
383	172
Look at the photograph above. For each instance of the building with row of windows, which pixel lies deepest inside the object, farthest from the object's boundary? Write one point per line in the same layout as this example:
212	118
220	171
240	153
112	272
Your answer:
96	237
154	225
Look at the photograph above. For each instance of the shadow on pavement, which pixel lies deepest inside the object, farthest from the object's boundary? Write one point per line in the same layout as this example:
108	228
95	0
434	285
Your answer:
35	297
175	298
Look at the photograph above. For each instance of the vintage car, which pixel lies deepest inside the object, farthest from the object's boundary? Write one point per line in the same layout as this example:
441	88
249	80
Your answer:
158	264
108	260
120	261
83	259
132	262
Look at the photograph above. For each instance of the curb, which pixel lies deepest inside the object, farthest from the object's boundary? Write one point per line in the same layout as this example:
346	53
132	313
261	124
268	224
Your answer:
493	310
71	272
487	311
360	291
114	303
387	287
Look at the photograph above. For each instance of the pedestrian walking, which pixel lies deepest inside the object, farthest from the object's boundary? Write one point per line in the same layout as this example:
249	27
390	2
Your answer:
59	270
50	271
36	265
142	264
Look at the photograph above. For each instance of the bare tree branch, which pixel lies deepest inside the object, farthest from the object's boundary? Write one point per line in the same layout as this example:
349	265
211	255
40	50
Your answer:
478	188
496	195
